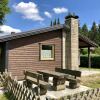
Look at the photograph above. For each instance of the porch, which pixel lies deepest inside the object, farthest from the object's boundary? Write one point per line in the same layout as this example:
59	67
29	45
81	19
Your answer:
85	42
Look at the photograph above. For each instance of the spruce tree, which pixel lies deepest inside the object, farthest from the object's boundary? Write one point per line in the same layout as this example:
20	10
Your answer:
98	35
84	30
58	21
51	23
93	32
55	22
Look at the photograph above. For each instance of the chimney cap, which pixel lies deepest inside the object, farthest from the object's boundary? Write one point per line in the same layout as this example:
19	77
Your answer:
71	15
12	32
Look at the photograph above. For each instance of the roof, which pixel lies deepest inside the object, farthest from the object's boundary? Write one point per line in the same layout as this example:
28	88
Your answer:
29	33
42	30
87	40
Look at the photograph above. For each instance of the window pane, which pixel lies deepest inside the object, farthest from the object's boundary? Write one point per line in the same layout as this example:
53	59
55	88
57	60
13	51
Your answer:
47	52
46	47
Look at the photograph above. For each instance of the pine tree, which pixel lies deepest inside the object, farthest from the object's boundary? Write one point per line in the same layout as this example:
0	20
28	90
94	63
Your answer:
58	21
84	30
93	32
79	27
55	22
98	35
51	23
99	28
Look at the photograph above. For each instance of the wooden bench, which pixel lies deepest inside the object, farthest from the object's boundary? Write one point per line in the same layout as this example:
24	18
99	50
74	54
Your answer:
35	78
58	79
71	76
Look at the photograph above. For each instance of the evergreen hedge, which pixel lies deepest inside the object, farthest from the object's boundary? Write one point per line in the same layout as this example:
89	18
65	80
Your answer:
95	61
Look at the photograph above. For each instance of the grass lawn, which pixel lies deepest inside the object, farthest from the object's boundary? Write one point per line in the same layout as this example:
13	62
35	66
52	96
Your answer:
92	81
3	97
92	69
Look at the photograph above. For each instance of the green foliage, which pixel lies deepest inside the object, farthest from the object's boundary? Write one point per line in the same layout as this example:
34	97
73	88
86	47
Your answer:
51	23
55	22
83	61
84	51
93	33
5	96
84	30
95	61
97	51
58	21
98	35
4	9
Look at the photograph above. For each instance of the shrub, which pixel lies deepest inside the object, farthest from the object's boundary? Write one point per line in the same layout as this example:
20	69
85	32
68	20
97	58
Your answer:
95	61
84	51
97	51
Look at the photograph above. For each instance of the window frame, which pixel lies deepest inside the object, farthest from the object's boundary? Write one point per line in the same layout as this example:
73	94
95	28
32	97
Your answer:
47	59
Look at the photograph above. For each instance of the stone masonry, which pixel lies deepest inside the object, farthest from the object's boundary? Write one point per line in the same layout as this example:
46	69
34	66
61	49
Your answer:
72	43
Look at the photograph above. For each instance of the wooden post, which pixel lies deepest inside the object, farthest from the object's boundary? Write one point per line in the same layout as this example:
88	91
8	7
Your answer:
38	87
89	58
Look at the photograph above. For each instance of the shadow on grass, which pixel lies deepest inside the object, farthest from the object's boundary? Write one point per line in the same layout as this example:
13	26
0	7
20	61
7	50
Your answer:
8	96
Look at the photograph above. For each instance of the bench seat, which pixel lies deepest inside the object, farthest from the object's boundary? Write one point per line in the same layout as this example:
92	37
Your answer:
36	78
71	76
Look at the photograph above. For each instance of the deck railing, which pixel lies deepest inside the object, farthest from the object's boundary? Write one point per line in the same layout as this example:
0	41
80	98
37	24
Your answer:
16	90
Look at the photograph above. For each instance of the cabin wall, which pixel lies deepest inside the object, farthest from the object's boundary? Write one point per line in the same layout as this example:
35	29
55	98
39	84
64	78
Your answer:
24	53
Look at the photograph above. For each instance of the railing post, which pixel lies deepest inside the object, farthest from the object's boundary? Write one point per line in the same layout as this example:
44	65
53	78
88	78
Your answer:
38	87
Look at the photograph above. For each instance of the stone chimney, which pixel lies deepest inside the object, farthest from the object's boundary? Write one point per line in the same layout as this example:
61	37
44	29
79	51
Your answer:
72	42
12	33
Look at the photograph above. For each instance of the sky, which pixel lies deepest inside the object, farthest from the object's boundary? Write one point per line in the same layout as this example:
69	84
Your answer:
34	14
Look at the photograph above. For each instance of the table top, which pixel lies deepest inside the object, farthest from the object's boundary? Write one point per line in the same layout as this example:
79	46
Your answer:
52	73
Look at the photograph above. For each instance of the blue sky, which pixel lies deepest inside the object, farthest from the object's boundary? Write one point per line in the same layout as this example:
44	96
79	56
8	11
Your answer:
32	14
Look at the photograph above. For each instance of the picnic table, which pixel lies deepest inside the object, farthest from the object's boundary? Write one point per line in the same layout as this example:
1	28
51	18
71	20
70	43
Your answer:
58	78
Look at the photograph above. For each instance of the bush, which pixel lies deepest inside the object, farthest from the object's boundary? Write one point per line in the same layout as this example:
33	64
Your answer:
97	51
95	61
84	51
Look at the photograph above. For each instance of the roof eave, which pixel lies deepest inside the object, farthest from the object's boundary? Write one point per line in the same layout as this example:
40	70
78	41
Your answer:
29	33
90	42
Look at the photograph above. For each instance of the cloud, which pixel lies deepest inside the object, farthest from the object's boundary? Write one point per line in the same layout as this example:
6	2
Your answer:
7	30
60	10
28	10
48	14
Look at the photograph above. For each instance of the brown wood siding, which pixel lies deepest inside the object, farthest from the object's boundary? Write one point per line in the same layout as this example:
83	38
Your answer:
24	53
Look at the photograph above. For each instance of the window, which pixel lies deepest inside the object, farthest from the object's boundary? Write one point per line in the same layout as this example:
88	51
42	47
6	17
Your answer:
47	52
